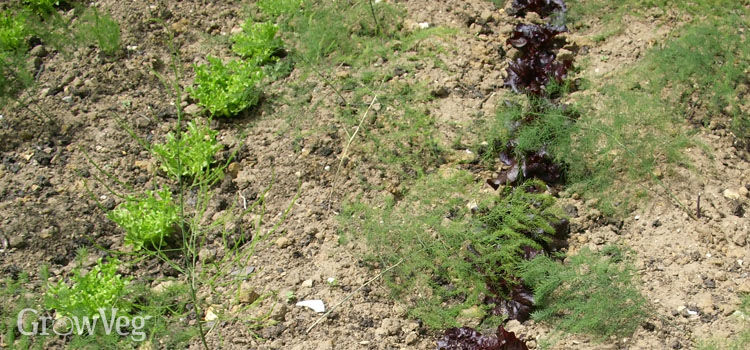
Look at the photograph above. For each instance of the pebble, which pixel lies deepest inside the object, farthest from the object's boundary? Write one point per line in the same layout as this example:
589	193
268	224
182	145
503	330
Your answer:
283	242
38	51
210	314
206	255
233	169
731	194
68	99
411	338
307	283
192	109
279	312
389	326
316	305
247	293
17	242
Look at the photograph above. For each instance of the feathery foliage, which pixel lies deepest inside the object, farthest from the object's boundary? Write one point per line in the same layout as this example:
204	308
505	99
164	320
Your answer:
447	256
593	293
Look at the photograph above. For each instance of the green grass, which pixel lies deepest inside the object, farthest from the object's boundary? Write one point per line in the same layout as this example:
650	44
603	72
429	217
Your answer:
447	256
592	293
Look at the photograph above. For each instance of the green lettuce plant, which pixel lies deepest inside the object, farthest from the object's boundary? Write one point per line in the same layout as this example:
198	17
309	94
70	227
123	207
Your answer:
227	89
102	287
257	41
195	149
147	221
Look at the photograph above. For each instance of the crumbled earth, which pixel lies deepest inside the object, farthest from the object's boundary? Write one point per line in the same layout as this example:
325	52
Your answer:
52	194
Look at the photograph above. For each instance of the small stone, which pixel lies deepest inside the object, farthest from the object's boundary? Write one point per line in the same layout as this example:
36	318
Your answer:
17	242
423	25
704	302
316	305
513	326
389	326
472	206
471	317
233	169
206	255
743	192
571	210
731	194
738	209
246	293
308	283
440	92
411	338
38	51
279	312
192	109
283	242
210	314
744	288
68	99
48	232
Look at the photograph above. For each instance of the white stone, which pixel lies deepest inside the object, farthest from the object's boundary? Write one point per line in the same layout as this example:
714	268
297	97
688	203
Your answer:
316	305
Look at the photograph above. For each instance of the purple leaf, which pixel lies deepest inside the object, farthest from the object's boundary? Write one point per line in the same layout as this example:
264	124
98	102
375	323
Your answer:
466	338
533	38
517	306
542	167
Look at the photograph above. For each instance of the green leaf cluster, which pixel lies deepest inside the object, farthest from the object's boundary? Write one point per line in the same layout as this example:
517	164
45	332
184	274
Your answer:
592	293
99	29
102	287
446	254
226	89
520	217
194	149
42	7
257	42
147	221
276	8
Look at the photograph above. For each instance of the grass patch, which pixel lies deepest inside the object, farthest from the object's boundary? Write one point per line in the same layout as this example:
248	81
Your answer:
592	293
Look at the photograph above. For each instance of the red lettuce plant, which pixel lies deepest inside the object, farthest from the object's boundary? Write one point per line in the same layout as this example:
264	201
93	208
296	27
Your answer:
466	338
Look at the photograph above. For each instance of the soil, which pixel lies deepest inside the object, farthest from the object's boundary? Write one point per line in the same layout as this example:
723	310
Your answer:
83	99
